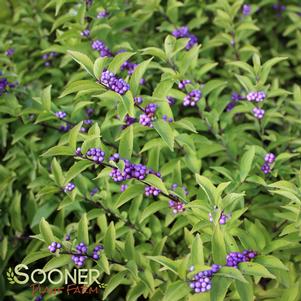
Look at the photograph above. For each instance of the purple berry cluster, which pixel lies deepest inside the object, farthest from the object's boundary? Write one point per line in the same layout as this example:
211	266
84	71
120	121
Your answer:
176	206
201	282
129	67
123	187
115	157
89	112
151	191
256	96
235	258
235	97
69	187
65	128
138	100
39	298
10	52
130	171
258	113
183	32
279	8
96	154
128	120
175	186
96	252
165	118
94	191
54	246
222	220
85	33
268	160
81	256
48	58
182	84
60	114
149	115
4	85
171	100
111	81
192	98
246	9
101	47
102	14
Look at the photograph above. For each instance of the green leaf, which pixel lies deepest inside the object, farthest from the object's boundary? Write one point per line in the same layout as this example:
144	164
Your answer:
218	246
104	263
59	150
46	231
152	208
98	66
83	60
76	169
83	230
219	288
246	163
208	188
185	124
166	133
129	194
169	45
57	172
231	273
271	262
115	281
73	136
245	291
255	269
129	247
43	212
176	291
16	212
46	98
155	181
118	60
109	240
126	143
82	85
242	65
166	262
197	252
35	256
57	262
206	68
137	76
155	52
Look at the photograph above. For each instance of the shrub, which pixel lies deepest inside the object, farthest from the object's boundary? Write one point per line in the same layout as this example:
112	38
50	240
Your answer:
154	143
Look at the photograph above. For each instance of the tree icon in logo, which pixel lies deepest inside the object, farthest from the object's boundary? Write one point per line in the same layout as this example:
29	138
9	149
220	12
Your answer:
10	276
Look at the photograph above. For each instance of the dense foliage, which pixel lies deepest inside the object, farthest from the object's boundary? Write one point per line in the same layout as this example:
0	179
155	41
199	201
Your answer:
155	141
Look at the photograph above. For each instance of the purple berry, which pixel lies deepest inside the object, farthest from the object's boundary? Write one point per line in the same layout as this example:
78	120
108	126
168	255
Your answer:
192	98
69	187
112	82
102	14
269	158
258	113
60	114
151	191
246	9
